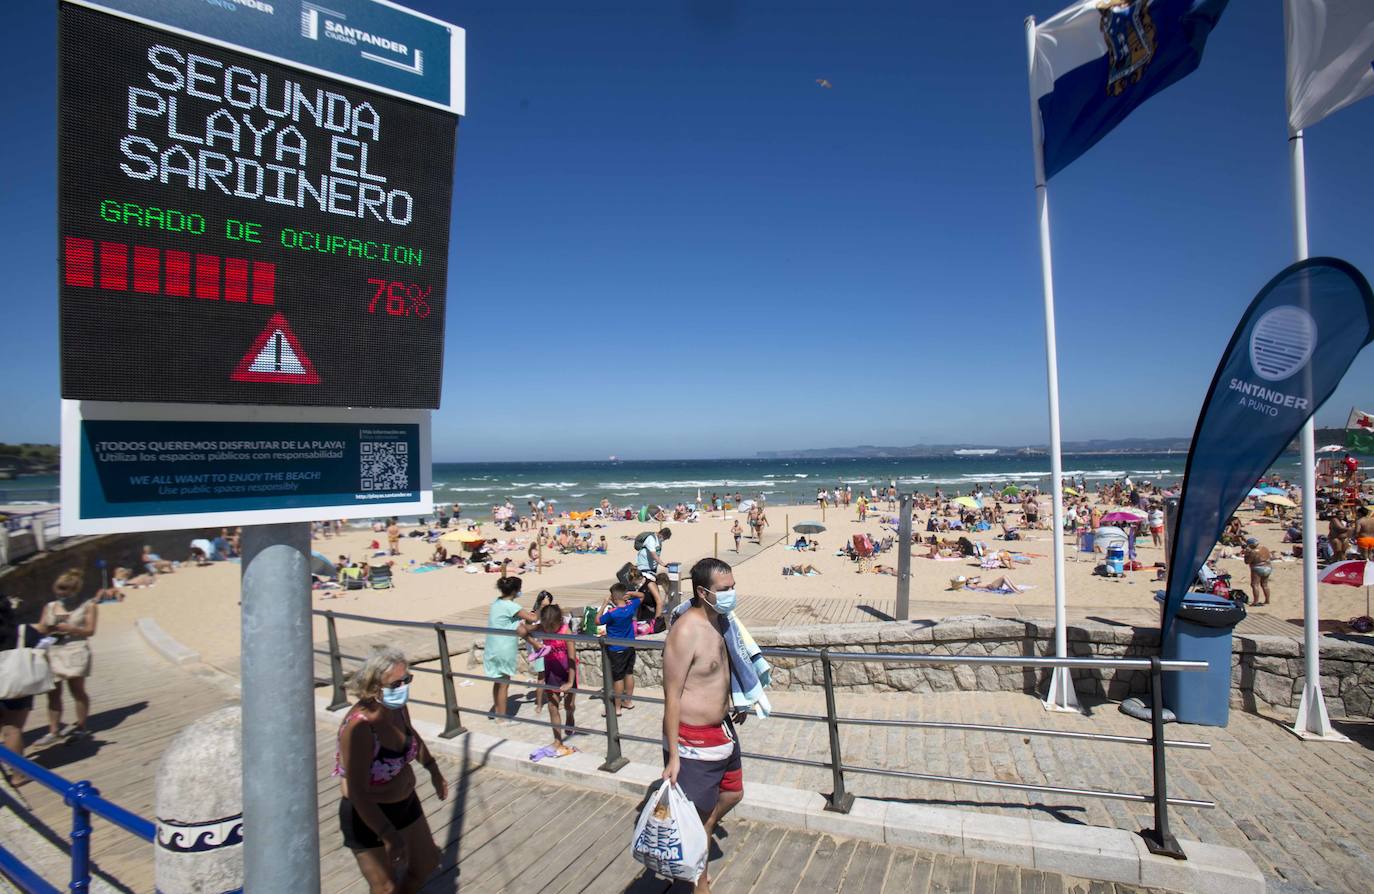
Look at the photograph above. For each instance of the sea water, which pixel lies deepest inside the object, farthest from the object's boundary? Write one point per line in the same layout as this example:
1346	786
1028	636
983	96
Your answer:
635	483
581	485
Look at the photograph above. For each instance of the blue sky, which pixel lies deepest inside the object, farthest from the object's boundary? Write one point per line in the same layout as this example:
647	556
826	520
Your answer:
670	241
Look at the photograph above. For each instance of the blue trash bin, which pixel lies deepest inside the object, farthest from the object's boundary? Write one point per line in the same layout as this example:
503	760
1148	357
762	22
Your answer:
1116	560
1201	632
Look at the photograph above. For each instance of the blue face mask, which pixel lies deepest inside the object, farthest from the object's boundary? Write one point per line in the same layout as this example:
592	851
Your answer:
725	601
396	698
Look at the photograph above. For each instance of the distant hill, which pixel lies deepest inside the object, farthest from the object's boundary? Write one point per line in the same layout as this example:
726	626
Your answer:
1098	446
28	459
926	451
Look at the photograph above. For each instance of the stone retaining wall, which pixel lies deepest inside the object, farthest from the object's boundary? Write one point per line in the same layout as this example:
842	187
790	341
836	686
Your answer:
1266	671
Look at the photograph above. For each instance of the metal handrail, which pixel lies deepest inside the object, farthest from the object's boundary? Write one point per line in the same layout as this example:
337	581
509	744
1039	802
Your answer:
84	799
1158	839
1171	664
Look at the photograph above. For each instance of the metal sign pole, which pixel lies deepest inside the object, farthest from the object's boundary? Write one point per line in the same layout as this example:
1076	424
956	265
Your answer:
903	610
1313	722
280	810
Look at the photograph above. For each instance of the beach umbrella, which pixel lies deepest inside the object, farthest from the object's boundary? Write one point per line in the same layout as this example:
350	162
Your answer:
1010	489
462	537
1276	500
1071	491
1330	448
808	527
1120	517
1255	492
745	505
968	502
1271	489
1350	573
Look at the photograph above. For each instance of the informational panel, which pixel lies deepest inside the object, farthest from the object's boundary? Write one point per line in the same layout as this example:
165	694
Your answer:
133	467
237	231
365	42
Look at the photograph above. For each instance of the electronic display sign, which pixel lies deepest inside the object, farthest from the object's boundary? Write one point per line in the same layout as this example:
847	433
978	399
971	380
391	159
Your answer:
232	230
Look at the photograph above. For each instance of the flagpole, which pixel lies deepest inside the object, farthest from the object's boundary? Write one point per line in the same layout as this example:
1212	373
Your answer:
1312	721
1061	695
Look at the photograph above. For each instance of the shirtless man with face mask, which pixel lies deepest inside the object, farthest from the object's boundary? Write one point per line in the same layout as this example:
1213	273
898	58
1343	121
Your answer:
701	749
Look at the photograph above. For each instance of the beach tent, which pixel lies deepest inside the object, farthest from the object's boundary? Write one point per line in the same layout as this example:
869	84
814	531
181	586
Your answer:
320	564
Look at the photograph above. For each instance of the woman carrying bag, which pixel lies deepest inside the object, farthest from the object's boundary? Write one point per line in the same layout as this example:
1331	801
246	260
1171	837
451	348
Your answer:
23	674
70	620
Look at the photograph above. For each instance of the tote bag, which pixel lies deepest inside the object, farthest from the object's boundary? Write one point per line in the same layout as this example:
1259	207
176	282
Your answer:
24	672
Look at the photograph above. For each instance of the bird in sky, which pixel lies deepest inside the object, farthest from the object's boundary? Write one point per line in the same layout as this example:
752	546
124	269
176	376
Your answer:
824	83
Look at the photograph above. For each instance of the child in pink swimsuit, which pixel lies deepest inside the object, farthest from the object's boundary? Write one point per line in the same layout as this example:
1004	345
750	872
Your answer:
560	669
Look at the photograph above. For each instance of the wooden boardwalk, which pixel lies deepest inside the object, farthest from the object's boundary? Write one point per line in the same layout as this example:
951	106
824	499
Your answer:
497	831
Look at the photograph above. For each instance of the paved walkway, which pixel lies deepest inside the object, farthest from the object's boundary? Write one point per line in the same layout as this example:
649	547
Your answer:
138	704
1303	811
498	832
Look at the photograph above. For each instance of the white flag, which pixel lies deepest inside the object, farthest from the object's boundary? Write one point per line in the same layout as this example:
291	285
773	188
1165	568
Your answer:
1330	57
1362	421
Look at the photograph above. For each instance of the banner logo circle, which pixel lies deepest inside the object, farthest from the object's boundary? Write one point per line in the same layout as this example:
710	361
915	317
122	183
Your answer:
1281	342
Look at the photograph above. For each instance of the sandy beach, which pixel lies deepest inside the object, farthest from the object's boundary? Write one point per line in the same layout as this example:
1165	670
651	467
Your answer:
199	606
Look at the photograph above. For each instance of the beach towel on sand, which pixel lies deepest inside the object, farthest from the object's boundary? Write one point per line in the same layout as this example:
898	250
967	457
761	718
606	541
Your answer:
750	672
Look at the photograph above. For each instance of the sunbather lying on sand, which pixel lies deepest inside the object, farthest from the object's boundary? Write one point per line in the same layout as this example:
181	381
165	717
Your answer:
1003	584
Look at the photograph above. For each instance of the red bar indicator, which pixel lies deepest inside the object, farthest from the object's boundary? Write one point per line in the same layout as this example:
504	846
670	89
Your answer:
235	279
79	262
178	274
207	277
145	270
114	266
264	282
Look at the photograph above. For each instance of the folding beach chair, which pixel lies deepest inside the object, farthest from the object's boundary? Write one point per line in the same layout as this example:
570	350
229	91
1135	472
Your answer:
863	547
380	577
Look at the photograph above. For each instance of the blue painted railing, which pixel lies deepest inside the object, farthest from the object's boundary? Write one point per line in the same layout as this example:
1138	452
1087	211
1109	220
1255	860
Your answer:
84	800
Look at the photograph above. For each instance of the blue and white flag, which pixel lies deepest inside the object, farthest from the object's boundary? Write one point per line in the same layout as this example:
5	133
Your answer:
1097	60
1293	345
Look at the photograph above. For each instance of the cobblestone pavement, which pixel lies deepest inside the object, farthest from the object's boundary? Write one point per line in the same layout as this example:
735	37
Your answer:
1303	811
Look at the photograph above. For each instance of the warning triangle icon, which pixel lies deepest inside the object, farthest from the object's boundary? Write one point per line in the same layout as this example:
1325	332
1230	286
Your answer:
276	356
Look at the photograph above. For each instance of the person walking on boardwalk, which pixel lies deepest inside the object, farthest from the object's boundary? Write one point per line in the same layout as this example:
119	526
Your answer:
70	621
14	712
380	815
700	746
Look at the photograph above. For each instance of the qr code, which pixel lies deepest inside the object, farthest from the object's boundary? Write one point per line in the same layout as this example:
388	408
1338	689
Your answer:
384	465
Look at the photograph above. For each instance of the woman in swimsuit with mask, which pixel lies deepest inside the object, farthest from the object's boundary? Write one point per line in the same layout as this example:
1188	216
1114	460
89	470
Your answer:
380	814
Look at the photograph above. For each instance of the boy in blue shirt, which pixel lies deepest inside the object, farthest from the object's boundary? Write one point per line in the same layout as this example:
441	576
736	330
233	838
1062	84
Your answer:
620	624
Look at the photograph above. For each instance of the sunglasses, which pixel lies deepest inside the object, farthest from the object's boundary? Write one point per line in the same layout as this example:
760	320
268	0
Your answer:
404	681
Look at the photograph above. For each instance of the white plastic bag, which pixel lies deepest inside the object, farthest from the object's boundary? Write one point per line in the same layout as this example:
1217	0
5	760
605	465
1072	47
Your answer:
669	838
